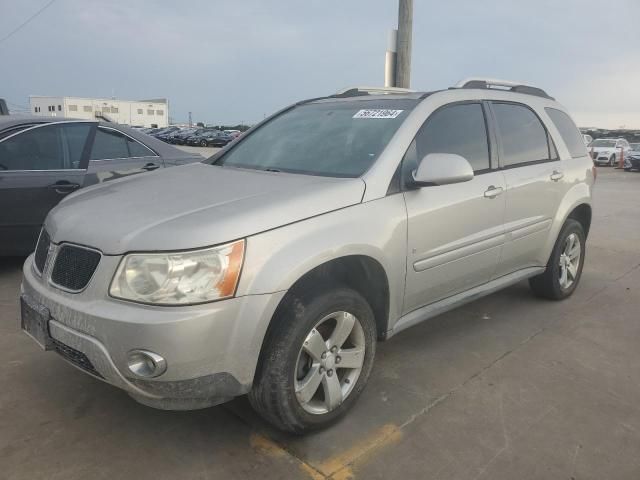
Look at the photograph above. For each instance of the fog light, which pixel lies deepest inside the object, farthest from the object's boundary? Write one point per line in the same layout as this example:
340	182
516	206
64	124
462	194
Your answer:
144	363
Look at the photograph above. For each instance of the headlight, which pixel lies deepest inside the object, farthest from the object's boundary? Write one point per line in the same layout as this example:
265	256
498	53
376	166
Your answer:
179	278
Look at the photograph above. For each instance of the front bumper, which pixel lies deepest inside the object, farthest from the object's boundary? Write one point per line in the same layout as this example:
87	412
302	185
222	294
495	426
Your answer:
211	350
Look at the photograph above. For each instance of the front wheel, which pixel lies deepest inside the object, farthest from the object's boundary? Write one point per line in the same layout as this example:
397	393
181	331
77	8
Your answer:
612	161
316	360
203	143
564	268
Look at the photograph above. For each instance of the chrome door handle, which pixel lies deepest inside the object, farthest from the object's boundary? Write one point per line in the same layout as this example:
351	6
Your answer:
557	175
493	192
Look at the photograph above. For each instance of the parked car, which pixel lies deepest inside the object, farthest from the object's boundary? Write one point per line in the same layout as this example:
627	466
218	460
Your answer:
632	160
212	138
164	134
179	138
606	151
587	139
272	268
233	133
166	131
43	160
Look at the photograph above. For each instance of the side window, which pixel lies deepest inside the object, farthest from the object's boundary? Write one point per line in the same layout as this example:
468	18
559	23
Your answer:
109	144
41	148
458	129
524	139
570	134
76	138
136	149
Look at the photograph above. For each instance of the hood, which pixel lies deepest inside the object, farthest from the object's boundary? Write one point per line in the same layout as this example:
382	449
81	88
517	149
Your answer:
193	206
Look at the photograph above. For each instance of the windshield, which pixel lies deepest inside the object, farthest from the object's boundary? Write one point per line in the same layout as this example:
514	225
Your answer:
603	143
336	139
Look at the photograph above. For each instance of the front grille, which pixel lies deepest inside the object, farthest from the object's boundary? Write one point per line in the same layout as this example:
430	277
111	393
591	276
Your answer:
76	357
74	267
42	250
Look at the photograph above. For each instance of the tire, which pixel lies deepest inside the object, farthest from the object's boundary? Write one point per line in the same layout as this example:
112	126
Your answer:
550	283
203	143
612	161
285	365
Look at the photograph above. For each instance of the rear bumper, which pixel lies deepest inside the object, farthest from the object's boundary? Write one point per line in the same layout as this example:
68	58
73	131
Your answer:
211	350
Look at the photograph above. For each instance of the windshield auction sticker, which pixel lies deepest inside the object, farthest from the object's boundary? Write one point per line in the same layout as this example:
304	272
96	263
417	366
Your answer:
377	113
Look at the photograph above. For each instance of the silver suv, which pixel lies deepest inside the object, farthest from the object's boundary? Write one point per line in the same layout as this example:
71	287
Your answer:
274	266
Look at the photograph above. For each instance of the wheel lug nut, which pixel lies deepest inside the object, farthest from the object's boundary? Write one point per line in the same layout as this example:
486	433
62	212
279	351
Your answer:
334	349
346	380
324	355
338	359
321	370
329	373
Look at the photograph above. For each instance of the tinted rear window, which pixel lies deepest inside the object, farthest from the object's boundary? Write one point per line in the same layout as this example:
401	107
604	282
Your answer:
524	139
570	134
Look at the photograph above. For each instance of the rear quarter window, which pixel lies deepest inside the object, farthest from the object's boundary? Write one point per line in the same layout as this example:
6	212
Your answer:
570	134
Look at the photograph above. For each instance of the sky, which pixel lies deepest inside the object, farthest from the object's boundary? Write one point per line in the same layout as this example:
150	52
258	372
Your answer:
237	61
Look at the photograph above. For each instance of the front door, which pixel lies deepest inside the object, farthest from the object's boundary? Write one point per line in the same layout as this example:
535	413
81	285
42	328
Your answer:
455	232
38	167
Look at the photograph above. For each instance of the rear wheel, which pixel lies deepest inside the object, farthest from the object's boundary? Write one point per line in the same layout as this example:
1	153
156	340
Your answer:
564	268
316	360
203	143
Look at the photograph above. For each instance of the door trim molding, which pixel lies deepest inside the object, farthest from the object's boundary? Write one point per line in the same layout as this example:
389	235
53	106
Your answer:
449	303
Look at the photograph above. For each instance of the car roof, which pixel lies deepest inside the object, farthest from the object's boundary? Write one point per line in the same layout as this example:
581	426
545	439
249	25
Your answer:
165	150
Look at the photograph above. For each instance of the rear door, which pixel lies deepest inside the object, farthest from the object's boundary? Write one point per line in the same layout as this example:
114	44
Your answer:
115	155
455	232
38	167
534	181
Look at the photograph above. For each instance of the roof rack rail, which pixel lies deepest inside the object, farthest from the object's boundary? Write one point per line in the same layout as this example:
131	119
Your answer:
494	83
357	91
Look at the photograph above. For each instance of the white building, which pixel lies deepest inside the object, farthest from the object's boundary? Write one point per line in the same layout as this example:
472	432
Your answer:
143	113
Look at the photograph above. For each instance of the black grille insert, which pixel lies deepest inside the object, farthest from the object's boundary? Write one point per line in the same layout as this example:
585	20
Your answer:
74	267
42	250
76	357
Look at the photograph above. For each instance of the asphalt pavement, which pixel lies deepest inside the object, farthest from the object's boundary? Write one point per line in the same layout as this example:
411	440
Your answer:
507	387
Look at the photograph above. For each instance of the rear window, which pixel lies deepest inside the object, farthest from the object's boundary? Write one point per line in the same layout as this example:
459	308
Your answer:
570	134
524	139
336	139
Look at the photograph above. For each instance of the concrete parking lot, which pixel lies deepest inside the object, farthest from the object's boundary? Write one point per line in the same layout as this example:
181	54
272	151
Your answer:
507	387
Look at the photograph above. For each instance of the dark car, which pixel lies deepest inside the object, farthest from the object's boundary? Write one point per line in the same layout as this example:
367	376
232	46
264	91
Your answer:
210	139
165	131
181	137
44	159
632	160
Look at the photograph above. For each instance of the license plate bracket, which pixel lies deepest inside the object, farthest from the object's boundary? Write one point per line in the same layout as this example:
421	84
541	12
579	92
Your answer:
35	322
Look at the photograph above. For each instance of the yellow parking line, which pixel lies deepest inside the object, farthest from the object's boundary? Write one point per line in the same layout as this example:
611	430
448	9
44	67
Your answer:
266	446
338	467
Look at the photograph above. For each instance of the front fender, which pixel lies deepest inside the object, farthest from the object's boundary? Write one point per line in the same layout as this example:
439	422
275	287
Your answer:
276	259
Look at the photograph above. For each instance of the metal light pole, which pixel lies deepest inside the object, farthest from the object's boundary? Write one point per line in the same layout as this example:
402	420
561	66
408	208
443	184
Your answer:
390	60
405	31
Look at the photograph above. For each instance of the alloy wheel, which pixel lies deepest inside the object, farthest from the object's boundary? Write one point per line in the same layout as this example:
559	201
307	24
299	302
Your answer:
569	261
329	363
